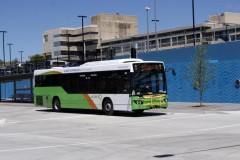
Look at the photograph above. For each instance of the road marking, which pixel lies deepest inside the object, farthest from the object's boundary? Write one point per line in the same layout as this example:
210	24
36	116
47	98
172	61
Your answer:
164	119
231	112
48	119
110	125
167	135
2	122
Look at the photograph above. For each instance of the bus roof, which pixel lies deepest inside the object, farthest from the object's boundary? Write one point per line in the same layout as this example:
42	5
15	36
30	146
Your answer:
108	65
111	62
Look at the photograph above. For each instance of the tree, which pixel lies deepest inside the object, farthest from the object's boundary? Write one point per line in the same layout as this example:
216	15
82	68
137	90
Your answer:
15	61
37	58
199	71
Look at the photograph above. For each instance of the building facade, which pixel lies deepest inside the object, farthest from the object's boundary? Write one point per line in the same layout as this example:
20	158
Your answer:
219	28
114	34
67	43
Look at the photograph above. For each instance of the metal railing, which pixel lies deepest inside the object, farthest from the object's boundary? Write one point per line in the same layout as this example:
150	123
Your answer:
169	43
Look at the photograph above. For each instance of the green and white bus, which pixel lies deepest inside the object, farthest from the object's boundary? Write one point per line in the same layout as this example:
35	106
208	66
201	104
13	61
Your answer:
113	85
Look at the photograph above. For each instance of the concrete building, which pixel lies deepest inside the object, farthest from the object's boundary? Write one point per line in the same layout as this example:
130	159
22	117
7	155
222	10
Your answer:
115	34
67	43
113	26
219	28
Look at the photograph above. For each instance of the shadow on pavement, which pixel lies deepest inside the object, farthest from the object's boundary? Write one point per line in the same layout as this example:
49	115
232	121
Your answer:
100	112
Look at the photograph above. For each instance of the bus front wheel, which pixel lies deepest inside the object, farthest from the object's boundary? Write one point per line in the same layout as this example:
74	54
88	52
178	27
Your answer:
108	107
56	104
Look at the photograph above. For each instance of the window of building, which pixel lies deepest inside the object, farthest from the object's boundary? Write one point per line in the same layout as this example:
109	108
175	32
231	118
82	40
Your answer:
232	37
238	37
57	44
57	53
45	37
56	35
238	30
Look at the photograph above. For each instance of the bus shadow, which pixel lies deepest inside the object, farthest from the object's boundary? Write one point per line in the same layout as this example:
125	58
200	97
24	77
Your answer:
100	112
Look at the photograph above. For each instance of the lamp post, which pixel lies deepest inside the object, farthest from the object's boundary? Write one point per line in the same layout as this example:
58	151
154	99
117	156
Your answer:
10	53
21	55
84	50
68	45
155	20
3	47
227	35
147	10
193	17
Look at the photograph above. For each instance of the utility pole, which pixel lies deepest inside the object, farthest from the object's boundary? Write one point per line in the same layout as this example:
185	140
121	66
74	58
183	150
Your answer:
155	20
193	17
84	50
147	10
10	53
21	55
3	32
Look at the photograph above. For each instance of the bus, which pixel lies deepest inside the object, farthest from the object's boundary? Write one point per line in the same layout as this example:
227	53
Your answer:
112	85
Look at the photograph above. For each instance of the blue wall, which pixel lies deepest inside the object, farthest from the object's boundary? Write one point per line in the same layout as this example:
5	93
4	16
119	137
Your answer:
7	88
225	57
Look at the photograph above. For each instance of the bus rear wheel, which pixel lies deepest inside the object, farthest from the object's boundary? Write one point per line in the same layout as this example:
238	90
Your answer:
108	107
56	104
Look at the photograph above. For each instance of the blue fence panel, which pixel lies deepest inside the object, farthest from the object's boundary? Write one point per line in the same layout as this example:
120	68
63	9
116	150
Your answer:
225	57
23	86
7	90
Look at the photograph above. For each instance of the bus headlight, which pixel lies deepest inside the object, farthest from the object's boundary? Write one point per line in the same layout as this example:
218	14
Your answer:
138	101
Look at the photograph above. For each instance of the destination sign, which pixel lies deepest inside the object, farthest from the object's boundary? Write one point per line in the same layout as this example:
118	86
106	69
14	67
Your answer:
147	67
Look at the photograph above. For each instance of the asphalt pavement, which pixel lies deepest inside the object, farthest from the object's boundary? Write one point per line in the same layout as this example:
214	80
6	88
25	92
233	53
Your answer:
181	132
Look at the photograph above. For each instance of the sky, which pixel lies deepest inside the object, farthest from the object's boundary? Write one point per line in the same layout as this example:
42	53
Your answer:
26	20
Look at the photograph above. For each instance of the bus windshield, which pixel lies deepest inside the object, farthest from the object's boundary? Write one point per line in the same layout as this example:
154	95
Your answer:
149	78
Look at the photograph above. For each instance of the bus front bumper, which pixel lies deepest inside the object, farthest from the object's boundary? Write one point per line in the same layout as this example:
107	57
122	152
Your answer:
149	102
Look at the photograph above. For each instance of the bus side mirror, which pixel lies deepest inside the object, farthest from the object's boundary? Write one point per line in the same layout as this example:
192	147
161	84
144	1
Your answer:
237	83
173	72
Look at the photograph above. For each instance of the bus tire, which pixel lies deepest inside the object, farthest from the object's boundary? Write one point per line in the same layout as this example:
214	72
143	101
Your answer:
108	107
56	105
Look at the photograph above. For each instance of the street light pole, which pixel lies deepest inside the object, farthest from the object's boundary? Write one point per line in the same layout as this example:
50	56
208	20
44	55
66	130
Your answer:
147	10
227	35
21	55
68	45
155	20
10	53
84	50
3	48
157	44
193	17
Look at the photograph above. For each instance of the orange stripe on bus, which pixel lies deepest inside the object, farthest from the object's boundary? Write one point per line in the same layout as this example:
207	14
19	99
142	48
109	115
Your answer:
90	101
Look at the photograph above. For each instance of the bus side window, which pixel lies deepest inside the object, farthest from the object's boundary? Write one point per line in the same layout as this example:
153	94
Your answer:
107	82
83	85
94	83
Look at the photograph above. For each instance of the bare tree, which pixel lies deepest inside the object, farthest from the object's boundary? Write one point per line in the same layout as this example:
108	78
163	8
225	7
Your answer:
199	71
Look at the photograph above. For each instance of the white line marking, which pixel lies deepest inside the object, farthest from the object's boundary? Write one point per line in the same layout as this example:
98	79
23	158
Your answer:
110	125
167	135
49	119
231	112
2	122
163	119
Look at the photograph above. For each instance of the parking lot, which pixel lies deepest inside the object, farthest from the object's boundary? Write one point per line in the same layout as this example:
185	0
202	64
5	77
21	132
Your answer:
179	132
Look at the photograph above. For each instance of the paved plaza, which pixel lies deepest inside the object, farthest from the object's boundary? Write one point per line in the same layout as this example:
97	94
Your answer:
181	132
